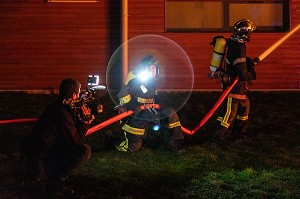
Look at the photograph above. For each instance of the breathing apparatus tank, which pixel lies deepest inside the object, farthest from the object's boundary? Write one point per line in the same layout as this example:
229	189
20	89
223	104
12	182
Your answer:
219	44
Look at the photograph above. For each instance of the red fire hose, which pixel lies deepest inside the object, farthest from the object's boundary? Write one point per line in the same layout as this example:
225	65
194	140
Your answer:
18	120
212	110
117	118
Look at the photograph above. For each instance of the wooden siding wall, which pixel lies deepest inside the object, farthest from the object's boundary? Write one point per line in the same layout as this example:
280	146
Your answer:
42	43
280	70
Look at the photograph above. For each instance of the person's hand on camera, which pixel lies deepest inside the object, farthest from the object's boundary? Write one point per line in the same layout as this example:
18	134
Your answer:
86	117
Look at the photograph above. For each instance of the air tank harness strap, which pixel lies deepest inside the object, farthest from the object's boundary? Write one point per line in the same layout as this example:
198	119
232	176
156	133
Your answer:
236	61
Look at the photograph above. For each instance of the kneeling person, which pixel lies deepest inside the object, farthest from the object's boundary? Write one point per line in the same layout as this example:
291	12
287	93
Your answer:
136	92
56	147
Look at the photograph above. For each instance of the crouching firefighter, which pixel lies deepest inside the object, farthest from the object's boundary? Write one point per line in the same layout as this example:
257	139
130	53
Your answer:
140	89
235	64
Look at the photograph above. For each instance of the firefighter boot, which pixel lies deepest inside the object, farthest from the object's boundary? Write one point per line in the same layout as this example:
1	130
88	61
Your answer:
239	129
219	136
172	141
174	147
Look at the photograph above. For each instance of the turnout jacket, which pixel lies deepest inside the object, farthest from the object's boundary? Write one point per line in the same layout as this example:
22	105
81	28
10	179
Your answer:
237	66
135	93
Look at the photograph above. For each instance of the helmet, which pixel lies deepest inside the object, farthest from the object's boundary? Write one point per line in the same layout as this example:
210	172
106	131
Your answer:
242	30
146	62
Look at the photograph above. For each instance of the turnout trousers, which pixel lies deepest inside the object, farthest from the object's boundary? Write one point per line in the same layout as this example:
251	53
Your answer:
236	113
135	129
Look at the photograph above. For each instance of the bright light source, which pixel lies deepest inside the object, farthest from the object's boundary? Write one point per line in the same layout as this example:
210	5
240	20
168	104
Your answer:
144	75
93	80
156	127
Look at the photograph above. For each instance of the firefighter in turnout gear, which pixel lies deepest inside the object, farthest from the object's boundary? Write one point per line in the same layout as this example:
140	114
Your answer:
237	64
140	89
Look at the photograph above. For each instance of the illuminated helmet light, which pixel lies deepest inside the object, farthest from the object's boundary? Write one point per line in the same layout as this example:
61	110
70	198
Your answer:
242	30
144	75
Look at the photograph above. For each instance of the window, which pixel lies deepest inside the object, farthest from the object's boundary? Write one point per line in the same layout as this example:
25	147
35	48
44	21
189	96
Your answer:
220	16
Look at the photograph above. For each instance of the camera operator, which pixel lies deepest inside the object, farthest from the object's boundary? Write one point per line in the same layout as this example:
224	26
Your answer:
55	149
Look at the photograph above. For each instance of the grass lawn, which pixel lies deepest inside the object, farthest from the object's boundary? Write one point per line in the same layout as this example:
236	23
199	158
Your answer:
265	164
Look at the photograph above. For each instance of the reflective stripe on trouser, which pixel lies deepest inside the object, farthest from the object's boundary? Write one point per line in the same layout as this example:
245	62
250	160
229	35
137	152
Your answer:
224	121
174	124
133	130
173	119
236	108
243	118
133	138
131	143
237	96
123	146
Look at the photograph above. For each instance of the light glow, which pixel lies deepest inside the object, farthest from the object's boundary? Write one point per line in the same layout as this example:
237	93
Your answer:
144	75
156	127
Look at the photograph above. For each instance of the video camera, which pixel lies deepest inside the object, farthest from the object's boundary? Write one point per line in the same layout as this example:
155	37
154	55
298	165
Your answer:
91	98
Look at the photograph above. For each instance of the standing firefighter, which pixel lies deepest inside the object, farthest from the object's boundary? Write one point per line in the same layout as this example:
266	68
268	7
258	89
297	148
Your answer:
237	64
140	89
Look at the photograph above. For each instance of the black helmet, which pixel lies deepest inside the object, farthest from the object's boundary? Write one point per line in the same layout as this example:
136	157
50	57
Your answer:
242	30
148	61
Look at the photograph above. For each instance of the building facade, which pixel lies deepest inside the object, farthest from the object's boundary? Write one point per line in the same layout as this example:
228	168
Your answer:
44	42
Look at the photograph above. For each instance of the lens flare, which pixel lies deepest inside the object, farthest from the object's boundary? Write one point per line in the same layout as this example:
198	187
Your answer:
176	75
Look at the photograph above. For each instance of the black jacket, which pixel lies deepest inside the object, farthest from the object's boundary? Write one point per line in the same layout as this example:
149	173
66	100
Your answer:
237	67
56	129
